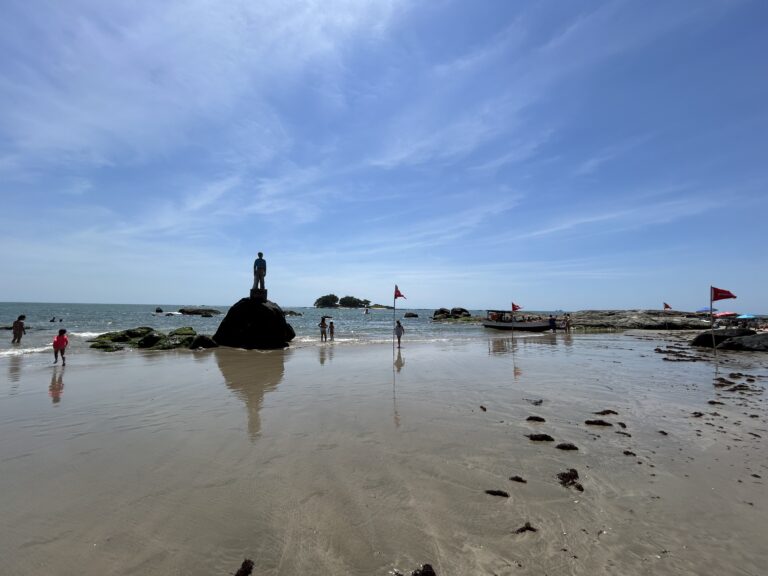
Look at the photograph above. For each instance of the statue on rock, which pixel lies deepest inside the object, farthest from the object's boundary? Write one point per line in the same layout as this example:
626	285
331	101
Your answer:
255	322
259	292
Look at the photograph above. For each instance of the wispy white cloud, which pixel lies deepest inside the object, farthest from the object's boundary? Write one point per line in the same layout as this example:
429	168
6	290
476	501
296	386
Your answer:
628	216
211	193
518	151
141	84
609	153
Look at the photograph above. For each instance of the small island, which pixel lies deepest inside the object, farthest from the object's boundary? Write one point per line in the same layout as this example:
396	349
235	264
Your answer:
333	301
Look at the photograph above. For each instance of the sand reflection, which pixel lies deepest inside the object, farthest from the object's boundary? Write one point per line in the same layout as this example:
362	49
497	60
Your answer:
14	370
56	389
325	353
502	345
250	375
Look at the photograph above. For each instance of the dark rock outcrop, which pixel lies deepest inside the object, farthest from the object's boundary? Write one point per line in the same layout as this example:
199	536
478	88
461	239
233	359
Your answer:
158	310
254	325
441	314
151	339
106	346
460	313
125	335
410	315
202	341
205	312
704	340
184	331
750	343
453	314
146	338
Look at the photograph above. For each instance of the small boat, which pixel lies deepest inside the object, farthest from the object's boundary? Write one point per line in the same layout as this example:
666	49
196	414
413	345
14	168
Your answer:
505	320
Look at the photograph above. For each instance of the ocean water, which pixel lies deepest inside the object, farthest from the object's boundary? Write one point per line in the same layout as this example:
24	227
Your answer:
86	321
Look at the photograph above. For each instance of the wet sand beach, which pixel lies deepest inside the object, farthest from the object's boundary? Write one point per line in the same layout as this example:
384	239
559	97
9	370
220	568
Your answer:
351	459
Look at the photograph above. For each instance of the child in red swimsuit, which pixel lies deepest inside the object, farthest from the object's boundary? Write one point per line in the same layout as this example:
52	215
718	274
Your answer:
60	344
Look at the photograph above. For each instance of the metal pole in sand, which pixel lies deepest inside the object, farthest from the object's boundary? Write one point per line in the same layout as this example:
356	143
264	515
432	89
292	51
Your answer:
712	322
394	322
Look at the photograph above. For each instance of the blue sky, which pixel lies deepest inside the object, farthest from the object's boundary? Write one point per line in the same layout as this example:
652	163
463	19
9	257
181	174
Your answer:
564	155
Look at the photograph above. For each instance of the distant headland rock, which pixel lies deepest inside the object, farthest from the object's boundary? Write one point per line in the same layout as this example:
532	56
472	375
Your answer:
254	324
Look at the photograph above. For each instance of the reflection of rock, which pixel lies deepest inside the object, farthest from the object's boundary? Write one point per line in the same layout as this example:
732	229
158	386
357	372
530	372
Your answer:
250	375
254	325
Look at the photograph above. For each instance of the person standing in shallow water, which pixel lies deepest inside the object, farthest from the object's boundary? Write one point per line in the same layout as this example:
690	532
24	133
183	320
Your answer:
60	344
552	323
323	328
18	329
259	272
399	331
331	329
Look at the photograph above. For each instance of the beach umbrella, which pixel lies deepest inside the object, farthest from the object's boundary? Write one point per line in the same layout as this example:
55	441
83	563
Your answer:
745	317
726	314
706	309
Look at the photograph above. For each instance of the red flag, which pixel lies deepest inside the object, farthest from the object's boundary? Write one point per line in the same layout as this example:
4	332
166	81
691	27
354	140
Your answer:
720	294
667	306
399	294
515	307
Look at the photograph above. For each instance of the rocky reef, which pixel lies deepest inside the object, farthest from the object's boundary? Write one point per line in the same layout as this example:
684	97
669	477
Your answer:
147	338
638	319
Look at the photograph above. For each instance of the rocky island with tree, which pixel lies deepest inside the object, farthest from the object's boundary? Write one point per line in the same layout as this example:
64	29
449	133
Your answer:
333	301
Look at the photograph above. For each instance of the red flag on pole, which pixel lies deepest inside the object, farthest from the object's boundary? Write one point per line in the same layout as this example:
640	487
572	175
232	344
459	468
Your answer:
399	294
667	306
515	307
720	294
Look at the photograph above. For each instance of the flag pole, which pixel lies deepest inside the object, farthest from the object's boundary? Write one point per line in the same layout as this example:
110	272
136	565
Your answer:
394	319
712	322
